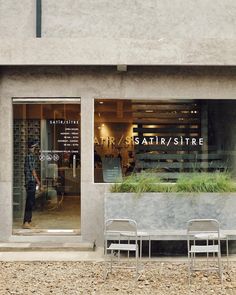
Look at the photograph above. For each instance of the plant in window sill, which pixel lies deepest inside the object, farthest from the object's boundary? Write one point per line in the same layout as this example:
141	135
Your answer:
217	182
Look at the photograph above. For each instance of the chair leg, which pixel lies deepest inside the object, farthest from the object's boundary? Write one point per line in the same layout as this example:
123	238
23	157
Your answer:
112	254
137	259
189	268
227	251
191	261
189	274
194	255
214	255
141	247
149	248
128	243
207	255
220	267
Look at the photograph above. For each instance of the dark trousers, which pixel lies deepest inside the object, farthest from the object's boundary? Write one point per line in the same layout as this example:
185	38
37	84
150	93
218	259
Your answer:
30	200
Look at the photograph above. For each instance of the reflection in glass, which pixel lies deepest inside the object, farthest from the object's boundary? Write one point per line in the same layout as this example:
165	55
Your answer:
166	137
56	162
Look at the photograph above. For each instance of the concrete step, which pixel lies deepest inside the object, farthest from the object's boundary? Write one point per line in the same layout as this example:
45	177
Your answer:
18	247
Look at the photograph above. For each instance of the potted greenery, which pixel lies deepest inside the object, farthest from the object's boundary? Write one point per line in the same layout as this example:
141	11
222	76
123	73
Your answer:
164	206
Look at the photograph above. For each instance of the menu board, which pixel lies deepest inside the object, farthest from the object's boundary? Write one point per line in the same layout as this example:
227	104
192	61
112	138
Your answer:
69	138
111	169
62	143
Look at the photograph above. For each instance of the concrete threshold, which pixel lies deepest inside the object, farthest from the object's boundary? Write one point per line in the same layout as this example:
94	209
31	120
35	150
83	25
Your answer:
46	246
90	256
93	256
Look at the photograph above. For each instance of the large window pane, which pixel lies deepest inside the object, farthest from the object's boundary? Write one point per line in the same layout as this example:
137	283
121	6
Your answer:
166	137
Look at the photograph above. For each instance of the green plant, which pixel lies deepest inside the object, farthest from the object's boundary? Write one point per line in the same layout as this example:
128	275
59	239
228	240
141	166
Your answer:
195	182
206	182
140	183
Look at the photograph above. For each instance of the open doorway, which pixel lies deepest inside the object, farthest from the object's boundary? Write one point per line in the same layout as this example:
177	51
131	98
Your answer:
46	141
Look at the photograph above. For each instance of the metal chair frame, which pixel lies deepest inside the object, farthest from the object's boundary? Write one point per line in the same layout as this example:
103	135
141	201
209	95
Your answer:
117	228
203	226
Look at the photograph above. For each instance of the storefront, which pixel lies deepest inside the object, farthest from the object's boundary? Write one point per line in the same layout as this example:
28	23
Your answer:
94	124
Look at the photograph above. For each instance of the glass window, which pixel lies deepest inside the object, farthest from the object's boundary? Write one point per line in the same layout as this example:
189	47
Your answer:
167	137
46	180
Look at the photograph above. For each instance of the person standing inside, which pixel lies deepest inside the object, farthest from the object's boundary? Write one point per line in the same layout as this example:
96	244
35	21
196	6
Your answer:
31	179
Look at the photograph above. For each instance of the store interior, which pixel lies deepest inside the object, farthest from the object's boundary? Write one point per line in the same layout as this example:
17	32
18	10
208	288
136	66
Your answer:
166	137
56	129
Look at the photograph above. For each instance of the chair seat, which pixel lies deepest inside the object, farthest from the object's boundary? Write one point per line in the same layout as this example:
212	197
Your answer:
139	234
204	249
209	236
122	247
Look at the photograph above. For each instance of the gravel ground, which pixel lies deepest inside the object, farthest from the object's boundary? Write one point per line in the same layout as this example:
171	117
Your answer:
71	278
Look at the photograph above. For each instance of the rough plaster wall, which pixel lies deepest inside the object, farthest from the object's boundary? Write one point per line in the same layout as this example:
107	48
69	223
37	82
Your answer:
106	82
17	18
149	19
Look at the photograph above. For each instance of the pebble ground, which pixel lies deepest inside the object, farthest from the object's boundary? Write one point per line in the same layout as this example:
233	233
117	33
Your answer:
72	278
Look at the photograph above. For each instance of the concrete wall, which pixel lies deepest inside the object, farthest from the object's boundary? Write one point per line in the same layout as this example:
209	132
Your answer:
104	32
150	19
102	51
89	83
17	19
163	212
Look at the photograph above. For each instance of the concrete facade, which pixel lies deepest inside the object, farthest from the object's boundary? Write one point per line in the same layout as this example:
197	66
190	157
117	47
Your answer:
152	32
173	49
150	19
164	212
91	83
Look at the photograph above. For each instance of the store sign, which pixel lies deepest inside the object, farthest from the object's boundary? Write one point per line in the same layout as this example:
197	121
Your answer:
67	139
149	140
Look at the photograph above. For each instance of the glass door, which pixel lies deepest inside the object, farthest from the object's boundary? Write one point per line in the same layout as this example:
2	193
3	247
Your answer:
46	179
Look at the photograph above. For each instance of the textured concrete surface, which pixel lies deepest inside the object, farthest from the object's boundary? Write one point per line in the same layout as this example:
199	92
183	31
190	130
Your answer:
49	246
108	51
17	19
150	19
52	255
163	211
87	32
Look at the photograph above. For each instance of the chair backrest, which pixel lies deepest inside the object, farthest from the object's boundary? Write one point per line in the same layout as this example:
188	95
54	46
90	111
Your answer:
121	226
203	226
195	226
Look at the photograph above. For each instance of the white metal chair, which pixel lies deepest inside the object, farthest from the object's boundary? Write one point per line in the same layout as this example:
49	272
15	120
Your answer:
114	229
203	227
212	237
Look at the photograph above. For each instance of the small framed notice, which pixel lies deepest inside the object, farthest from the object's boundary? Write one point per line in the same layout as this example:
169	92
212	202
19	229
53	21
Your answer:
111	170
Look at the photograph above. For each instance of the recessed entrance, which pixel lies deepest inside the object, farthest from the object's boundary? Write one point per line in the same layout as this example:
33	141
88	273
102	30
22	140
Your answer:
46	177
